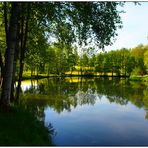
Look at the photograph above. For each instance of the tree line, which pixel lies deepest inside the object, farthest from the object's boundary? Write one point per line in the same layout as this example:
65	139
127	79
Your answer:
59	61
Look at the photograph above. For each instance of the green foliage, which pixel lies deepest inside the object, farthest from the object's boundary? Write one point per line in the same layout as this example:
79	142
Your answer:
2	31
64	23
136	71
123	62
138	54
139	78
146	58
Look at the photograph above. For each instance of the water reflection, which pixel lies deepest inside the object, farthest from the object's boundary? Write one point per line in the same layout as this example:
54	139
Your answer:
92	111
62	94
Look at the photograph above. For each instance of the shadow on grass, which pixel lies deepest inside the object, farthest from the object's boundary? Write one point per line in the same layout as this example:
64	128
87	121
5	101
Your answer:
20	127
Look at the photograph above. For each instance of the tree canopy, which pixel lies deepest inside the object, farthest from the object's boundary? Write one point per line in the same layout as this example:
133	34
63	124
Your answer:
31	27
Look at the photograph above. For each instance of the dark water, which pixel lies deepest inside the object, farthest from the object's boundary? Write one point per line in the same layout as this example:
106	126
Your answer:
91	112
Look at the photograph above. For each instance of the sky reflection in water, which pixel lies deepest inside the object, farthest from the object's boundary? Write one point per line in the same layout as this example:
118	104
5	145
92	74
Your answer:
96	112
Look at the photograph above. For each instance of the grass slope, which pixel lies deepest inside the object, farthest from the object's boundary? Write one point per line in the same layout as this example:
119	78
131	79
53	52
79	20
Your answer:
19	127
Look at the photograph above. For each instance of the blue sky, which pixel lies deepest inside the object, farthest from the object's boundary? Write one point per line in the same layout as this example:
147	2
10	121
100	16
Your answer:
135	27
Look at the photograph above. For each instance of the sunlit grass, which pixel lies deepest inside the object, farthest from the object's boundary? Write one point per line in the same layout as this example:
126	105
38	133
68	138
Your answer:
87	71
73	73
84	67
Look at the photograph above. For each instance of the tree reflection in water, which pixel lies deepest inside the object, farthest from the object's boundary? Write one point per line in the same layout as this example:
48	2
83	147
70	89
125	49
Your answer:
64	93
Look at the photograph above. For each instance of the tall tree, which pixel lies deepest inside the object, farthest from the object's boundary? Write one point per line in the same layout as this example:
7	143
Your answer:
68	22
9	55
23	31
138	54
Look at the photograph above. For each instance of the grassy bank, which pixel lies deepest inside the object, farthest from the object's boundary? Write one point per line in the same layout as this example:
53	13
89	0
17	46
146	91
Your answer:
27	76
139	78
20	127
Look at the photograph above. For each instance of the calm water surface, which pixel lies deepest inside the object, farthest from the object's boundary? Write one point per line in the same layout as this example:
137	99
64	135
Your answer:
91	112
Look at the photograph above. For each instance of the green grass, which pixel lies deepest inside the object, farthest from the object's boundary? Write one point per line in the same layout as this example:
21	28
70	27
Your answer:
19	127
27	76
33	77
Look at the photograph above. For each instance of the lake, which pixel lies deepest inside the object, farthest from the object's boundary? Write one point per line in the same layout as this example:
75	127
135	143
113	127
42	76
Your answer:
90	111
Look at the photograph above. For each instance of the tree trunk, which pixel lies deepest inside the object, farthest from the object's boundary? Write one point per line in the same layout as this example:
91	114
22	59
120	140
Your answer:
12	98
48	72
23	48
6	21
2	68
37	71
9	56
112	72
71	70
81	69
31	72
